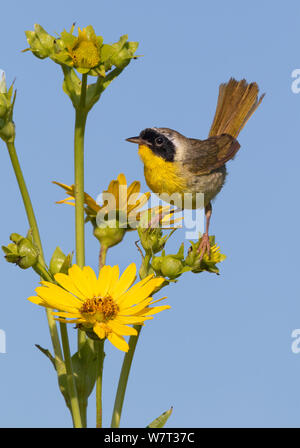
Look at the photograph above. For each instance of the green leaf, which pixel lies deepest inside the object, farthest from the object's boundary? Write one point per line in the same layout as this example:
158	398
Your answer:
68	38
66	264
84	368
160	421
60	368
60	262
46	352
71	85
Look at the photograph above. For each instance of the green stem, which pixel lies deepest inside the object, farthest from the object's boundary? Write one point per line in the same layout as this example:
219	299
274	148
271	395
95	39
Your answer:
102	256
146	261
100	358
116	417
74	403
80	122
42	272
37	240
40	268
26	198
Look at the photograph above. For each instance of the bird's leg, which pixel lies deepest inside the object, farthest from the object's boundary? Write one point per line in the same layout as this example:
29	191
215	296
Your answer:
155	221
204	246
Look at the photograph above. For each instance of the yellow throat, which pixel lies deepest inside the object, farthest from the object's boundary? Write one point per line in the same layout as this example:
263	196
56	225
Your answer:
161	176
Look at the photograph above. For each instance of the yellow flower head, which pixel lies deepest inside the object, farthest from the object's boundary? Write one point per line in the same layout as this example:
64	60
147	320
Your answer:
85	50
118	198
208	262
105	305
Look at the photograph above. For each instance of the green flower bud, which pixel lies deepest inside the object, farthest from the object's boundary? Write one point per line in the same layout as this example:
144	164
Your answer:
192	255
152	239
21	252
208	262
7	100
3	88
15	237
109	233
144	271
156	264
2	110
41	43
7	132
60	262
171	267
28	254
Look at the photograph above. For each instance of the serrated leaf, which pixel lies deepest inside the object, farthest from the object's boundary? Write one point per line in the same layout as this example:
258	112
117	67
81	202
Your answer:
160	421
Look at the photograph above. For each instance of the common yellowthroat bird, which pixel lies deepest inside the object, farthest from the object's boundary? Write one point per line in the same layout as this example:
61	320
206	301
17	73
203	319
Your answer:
174	163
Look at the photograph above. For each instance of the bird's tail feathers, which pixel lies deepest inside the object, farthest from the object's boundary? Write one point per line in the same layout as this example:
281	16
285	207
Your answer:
237	101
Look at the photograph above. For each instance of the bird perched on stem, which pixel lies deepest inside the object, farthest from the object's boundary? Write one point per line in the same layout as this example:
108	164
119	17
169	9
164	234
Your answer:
175	164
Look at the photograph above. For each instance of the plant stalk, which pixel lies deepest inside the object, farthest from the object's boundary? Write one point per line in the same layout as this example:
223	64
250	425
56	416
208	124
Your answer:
74	403
123	380
80	122
37	240
100	359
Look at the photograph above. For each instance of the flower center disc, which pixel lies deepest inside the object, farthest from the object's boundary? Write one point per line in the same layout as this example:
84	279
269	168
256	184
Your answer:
85	54
102	308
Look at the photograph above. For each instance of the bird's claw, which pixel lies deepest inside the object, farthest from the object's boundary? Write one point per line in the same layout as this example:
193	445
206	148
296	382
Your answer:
204	246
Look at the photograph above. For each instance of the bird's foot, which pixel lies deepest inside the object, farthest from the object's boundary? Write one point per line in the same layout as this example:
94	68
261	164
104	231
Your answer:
204	246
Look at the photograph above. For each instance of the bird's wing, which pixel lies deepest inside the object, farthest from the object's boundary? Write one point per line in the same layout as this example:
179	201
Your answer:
205	156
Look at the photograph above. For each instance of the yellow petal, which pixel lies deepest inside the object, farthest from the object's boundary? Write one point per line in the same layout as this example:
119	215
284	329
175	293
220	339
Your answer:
37	301
69	189
88	200
122	179
133	188
65	281
132	297
156	309
108	276
135	205
134	289
61	319
80	281
91	279
58	298
122	194
99	330
118	341
125	281
67	315
133	310
132	320
115	272
104	280
120	329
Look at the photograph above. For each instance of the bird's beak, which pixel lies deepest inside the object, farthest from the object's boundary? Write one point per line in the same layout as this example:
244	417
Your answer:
137	140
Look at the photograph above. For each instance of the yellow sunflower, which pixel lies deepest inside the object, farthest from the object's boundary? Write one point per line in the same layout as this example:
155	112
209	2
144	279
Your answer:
105	305
126	198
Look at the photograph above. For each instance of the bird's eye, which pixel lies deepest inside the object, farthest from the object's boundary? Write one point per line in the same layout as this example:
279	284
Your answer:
159	141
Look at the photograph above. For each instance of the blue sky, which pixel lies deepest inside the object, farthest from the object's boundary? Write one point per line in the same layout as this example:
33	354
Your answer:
222	355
